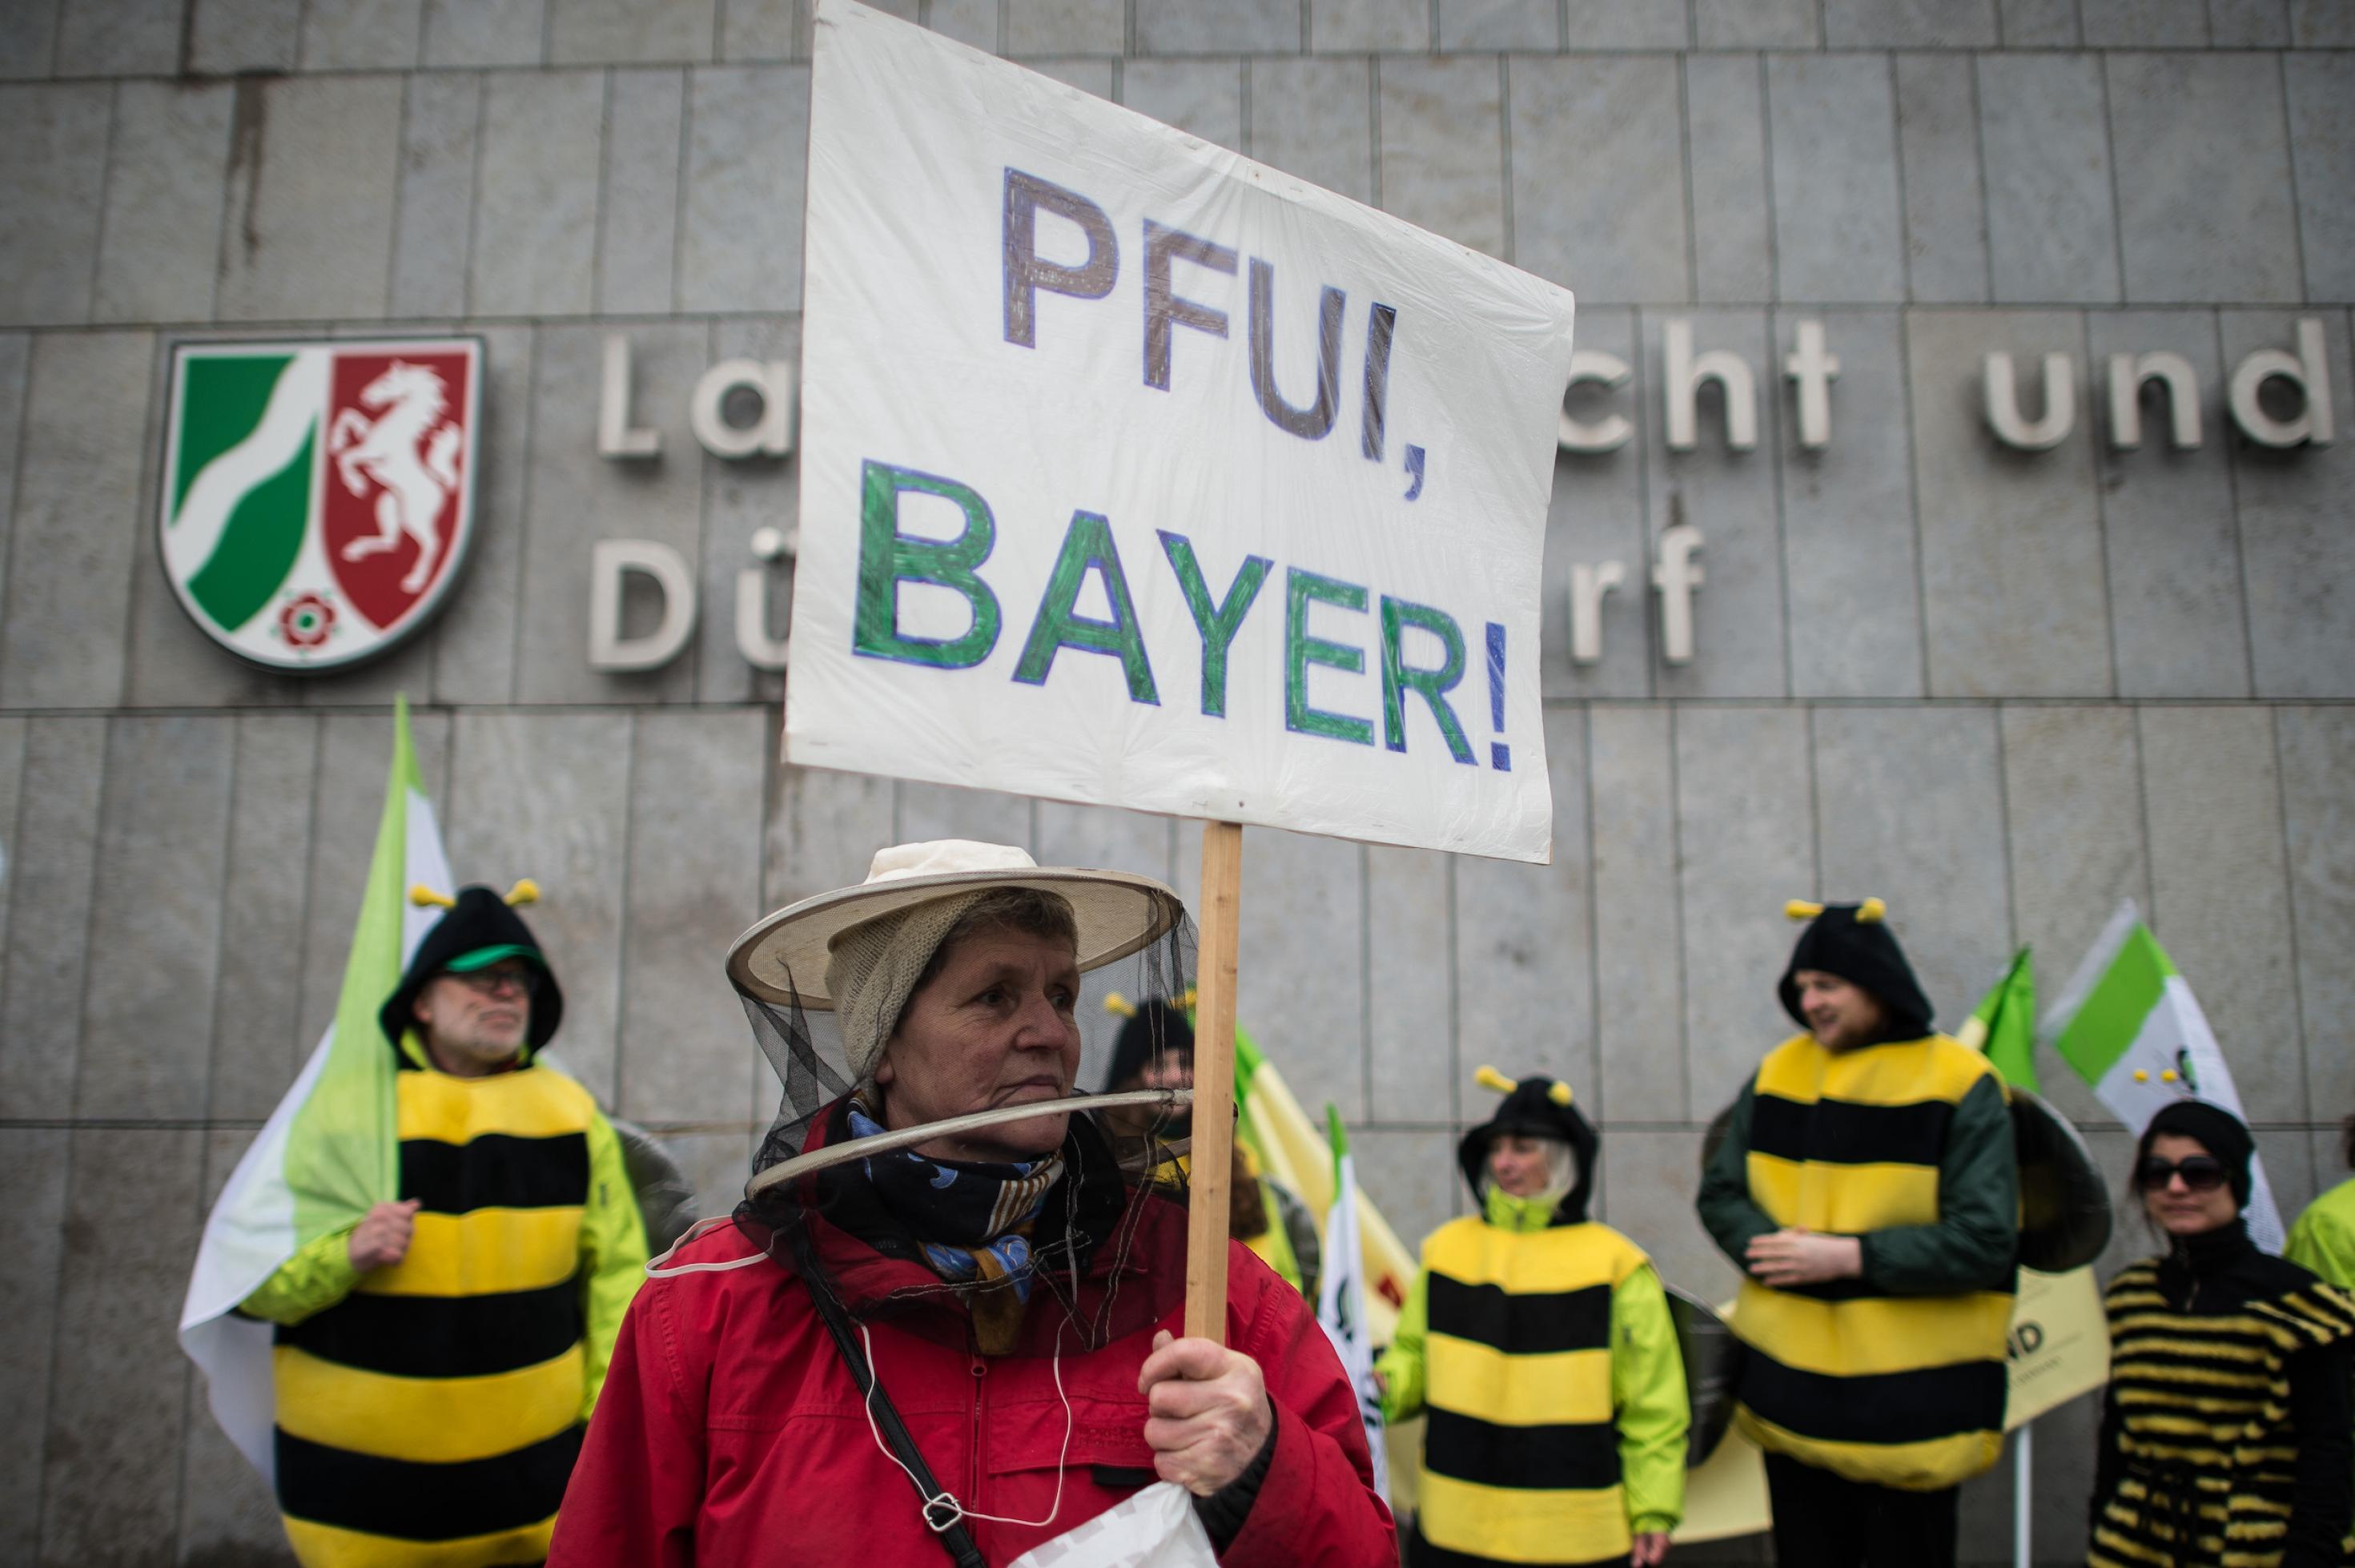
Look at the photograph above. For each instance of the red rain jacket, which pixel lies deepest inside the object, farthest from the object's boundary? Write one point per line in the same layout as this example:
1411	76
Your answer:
730	1431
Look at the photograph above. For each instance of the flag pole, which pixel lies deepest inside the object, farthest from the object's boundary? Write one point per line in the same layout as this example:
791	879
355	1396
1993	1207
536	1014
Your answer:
2022	1487
1211	1166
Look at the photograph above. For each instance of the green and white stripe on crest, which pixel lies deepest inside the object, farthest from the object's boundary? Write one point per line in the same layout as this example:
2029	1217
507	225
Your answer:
244	470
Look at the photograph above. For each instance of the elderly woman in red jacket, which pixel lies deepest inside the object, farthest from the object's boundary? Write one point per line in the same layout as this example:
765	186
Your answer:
1017	1300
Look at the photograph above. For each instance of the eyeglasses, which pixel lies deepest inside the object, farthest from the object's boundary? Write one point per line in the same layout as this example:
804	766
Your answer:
2201	1173
520	977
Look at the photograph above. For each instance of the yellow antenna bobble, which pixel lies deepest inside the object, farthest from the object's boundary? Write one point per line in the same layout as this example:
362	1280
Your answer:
526	892
1119	1007
2168	1076
1800	909
1191	999
1559	1094
1489	1078
424	897
1872	912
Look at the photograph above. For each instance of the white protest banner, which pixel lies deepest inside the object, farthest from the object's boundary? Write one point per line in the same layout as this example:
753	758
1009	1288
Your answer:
1138	474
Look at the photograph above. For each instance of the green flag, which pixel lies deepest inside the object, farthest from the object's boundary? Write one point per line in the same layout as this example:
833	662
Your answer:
2004	1024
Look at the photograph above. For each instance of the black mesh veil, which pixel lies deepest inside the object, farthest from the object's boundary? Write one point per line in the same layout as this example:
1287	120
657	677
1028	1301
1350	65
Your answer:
1106	1252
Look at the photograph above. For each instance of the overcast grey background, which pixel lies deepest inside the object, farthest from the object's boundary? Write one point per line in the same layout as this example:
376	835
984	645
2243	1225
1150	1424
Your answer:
2000	690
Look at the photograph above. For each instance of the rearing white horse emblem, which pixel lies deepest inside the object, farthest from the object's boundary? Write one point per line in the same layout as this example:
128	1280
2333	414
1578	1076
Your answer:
410	453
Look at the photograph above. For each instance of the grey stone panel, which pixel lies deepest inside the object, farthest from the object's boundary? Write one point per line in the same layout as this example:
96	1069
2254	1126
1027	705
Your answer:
1217	27
1309	1017
155	920
2288	1156
638	219
1066	26
1416	1071
747	132
1598	173
1442	155
1498	25
1838	222
1733	252
717	1164
52	862
15	368
1638	943
50	188
28	39
1850	555
2317	758
440	135
473	641
162	231
2322	143
1746	837
2204	202
1939	859
32	1252
227	37
694	803
1524	943
1093	76
973	23
2040	23
1596	514
1649	1176
618	32
75	526
547	795
2011	567
2168	529
2072	792
1398	26
2144	24
1909	24
823	831
314	161
11	781
2051	235
225	1508
1740	644
928	811
535	241
1757	24
1410	1176
360	34
119	38
485	32
1645	24
1202	98
2248	23
741	497
120	1391
763	31
2296	550
2219	889
575	498
1945	204
1314	118
257	1049
2321	24
346	805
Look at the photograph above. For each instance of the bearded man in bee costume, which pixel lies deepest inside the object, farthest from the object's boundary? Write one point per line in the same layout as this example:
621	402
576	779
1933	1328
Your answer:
1867	1189
435	1365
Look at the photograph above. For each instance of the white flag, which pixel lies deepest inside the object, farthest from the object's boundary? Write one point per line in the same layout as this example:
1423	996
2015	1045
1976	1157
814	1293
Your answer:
1341	1298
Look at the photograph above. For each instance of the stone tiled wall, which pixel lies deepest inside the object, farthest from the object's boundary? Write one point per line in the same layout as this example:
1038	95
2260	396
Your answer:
2002	690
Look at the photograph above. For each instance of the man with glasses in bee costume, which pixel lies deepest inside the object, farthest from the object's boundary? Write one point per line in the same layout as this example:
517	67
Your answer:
1868	1190
435	1365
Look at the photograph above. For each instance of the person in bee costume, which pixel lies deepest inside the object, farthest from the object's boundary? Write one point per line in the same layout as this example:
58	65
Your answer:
1869	1191
435	1365
1539	1346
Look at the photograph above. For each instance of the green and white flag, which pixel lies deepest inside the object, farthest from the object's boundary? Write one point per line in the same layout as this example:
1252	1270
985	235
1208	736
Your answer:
1341	1295
2003	1026
2129	1025
331	1150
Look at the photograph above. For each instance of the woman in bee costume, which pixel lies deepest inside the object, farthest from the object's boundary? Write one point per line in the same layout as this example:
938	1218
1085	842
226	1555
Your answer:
1539	1348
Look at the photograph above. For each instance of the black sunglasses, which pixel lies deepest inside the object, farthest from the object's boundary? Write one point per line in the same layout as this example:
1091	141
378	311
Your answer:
2201	1173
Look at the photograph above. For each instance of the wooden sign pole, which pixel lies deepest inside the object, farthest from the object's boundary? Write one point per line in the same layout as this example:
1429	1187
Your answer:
1211	1166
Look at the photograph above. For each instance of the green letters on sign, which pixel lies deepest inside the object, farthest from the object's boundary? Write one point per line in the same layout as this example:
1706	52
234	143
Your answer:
886	558
1218	623
1432	685
1087	547
1301	650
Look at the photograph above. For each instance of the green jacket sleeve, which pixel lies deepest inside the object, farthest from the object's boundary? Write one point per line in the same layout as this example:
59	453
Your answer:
1973	1243
1401	1364
612	1253
2323	1241
1648	1399
319	1274
1725	1208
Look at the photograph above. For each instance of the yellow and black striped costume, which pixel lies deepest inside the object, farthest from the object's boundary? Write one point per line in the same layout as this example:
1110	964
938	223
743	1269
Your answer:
433	1413
2224	1363
1896	1378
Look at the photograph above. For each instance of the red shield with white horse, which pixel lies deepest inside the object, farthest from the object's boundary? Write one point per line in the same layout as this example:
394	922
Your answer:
396	487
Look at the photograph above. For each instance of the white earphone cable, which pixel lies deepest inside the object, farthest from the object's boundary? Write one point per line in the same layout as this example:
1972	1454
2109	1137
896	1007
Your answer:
944	1499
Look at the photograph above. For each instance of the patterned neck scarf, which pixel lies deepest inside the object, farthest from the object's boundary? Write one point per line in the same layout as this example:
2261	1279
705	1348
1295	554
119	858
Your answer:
973	1220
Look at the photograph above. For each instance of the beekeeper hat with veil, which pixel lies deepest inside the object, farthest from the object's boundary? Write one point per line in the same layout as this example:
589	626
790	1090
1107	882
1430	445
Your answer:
846	1202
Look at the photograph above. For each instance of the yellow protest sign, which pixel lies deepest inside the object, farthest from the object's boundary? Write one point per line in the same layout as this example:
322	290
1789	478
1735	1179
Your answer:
2060	1344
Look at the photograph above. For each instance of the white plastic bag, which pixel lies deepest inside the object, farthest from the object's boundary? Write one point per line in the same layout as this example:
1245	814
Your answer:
1156	1528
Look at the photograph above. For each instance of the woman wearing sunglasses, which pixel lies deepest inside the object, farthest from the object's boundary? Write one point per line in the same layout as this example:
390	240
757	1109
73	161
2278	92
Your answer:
2225	1433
